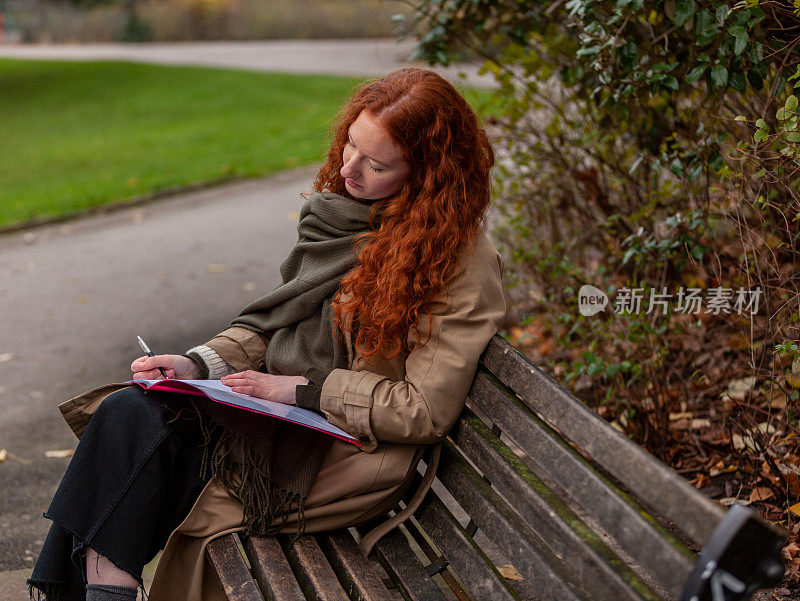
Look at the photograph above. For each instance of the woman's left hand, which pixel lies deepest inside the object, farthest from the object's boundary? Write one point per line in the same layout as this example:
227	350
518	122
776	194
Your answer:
280	389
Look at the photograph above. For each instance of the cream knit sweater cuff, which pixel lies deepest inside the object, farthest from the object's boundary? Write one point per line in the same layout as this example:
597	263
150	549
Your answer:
217	366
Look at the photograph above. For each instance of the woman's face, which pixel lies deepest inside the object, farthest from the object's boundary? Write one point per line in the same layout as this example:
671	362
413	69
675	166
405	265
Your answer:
374	166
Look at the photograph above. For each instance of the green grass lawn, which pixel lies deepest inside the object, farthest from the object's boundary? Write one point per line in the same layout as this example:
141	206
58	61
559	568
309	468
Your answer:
75	135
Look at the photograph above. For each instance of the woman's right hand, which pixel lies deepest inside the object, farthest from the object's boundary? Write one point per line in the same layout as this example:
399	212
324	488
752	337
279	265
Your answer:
177	367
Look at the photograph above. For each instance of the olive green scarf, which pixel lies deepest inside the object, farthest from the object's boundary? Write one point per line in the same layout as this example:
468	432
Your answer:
269	465
297	314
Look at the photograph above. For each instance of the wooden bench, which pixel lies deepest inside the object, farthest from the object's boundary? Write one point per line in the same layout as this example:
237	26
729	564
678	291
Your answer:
576	508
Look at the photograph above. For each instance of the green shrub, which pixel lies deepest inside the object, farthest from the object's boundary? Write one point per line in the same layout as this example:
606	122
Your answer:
649	144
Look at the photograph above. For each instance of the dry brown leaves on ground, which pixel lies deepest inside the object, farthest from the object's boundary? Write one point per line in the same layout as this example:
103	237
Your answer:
732	431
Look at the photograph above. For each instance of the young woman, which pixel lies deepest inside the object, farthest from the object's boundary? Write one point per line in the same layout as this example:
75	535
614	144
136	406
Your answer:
388	298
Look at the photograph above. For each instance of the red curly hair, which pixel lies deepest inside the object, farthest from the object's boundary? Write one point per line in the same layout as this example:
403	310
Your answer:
425	226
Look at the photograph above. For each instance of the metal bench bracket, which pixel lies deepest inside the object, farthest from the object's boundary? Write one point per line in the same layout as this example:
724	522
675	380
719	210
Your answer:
742	555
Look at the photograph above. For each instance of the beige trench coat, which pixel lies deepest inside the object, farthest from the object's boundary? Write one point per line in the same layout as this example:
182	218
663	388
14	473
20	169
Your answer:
395	409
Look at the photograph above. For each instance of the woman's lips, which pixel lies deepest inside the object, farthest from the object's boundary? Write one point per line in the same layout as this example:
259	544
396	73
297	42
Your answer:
352	183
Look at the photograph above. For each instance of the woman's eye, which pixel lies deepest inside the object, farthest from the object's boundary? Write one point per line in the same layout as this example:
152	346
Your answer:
375	169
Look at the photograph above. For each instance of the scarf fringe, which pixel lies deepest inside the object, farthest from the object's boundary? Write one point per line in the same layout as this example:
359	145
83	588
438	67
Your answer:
246	475
46	591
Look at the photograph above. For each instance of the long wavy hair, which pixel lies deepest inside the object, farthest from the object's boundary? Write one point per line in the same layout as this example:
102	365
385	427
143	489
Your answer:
424	227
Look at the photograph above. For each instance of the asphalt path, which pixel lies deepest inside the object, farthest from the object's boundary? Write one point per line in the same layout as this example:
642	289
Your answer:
363	57
74	296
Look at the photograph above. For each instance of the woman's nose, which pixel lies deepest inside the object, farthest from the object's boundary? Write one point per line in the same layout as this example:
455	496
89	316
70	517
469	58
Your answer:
349	168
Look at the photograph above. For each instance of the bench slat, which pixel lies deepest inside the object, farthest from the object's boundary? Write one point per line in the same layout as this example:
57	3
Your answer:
314	573
469	561
271	570
524	548
403	567
434	561
223	552
653	482
657	552
595	565
359	579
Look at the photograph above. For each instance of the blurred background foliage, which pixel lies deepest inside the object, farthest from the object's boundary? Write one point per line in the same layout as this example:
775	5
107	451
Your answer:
652	144
59	21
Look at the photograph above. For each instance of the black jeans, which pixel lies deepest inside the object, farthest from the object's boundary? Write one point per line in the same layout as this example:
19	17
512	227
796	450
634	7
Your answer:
132	480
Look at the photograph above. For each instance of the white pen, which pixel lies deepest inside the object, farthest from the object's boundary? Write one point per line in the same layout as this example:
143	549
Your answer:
150	354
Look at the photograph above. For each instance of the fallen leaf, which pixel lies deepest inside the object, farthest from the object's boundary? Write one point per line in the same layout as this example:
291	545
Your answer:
761	493
6	357
673	417
699	424
722	469
738	389
216	268
510	572
59	454
792	482
716	435
3	455
19	459
249	286
795	509
773	512
791	554
728	501
700	481
681	424
582	383
766	428
743	442
776	400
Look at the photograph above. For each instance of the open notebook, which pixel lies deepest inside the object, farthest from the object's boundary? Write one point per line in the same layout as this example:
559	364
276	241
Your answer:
218	392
